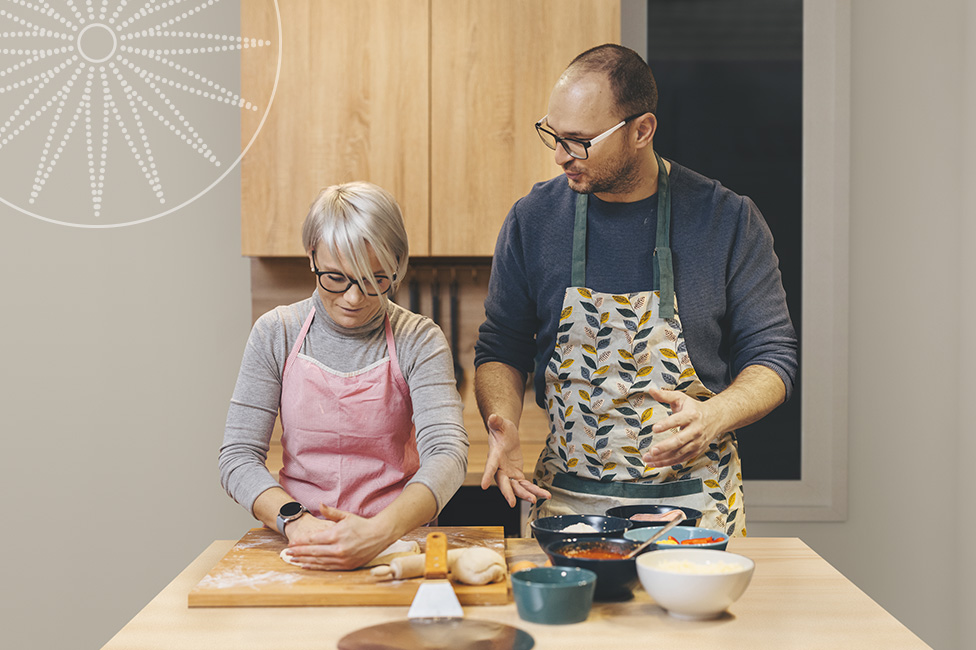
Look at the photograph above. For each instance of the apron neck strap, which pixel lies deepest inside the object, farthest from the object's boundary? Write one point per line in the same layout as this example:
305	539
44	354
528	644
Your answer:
663	270
579	241
662	243
301	337
390	342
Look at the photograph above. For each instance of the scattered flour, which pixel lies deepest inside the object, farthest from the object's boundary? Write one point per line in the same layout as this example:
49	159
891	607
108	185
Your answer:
254	543
237	578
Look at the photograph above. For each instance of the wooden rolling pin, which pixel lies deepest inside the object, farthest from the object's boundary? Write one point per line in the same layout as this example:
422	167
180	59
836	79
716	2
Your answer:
473	566
411	566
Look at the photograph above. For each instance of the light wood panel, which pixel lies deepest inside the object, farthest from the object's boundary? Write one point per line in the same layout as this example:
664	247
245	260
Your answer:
493	65
351	104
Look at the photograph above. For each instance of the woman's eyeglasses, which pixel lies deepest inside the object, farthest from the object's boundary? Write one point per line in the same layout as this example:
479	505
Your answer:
335	282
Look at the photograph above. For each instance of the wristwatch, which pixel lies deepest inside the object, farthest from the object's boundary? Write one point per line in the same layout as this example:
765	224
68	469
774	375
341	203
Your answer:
288	513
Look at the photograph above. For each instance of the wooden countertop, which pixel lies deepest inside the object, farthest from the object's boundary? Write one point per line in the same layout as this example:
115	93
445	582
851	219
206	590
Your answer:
796	600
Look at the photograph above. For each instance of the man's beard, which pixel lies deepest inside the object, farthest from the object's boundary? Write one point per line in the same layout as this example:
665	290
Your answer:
618	176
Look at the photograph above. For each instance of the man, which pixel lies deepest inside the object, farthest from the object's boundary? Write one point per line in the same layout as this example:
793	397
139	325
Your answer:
589	272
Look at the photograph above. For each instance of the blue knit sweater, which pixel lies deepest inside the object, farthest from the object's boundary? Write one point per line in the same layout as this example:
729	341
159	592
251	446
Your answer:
728	286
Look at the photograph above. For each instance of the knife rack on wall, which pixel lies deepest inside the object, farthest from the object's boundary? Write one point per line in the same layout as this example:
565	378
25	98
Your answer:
452	294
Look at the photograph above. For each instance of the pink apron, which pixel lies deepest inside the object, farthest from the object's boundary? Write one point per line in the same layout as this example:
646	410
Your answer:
348	438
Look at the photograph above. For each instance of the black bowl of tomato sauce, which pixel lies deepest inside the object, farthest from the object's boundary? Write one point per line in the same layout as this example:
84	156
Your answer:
616	575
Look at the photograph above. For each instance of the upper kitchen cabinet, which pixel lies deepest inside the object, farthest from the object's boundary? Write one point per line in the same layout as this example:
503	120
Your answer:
493	65
434	100
351	104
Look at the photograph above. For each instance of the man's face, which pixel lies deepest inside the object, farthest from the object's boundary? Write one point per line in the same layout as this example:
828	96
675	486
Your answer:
582	107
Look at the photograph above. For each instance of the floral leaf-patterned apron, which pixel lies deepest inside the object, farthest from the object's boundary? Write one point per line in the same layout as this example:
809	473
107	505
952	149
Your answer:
609	349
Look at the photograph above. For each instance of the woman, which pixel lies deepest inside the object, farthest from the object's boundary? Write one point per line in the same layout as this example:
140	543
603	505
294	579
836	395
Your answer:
373	435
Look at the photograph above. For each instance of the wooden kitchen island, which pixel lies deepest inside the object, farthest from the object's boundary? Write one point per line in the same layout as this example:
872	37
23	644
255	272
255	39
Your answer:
796	600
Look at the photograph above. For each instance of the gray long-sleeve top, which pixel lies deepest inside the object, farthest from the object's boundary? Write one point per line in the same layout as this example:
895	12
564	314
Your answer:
425	361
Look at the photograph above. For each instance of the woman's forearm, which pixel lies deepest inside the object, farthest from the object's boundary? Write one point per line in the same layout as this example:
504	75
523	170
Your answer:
414	507
268	503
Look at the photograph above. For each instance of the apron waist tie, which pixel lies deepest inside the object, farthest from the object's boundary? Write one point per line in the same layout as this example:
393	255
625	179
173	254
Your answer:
628	489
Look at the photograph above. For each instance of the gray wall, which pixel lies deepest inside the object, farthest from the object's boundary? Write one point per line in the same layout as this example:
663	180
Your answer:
911	303
120	350
911	300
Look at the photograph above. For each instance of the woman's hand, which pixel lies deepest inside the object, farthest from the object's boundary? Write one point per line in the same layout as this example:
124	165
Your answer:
504	463
343	541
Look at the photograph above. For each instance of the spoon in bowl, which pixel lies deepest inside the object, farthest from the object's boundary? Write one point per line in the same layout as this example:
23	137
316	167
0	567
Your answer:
656	536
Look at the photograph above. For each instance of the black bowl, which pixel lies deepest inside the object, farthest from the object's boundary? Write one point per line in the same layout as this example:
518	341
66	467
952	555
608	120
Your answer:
692	516
550	529
615	578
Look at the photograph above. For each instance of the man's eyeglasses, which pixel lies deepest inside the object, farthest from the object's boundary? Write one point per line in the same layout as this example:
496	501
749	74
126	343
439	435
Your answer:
574	146
335	282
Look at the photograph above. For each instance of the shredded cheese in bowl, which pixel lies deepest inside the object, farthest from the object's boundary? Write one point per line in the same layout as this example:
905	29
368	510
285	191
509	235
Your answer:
687	566
580	528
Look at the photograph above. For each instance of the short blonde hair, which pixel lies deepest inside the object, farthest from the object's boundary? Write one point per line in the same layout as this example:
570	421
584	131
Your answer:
350	218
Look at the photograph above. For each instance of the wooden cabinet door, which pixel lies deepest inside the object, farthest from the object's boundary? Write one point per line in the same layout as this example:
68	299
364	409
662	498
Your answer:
351	104
493	65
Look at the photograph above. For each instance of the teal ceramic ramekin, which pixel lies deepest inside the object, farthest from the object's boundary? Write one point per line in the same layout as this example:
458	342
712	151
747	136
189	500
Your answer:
553	595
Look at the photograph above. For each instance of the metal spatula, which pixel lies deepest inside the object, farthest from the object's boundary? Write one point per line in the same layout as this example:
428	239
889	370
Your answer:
435	599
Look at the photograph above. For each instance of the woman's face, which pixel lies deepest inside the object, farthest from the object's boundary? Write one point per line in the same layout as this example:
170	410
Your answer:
353	307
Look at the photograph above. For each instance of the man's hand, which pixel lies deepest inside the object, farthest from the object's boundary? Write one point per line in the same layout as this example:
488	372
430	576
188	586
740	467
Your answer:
504	463
693	429
755	392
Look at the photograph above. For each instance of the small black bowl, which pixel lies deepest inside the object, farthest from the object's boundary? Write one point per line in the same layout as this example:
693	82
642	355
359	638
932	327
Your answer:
692	516
615	578
550	529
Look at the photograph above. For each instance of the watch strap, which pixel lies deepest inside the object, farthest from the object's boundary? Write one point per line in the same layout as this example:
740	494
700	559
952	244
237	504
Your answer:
283	520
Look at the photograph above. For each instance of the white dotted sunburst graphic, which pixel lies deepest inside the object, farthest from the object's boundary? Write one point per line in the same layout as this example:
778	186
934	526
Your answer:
114	113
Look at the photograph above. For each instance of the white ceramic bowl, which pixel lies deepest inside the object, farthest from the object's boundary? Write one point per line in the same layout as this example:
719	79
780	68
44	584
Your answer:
694	595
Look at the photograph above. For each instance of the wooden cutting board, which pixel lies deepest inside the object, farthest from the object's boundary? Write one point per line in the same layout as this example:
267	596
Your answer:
252	574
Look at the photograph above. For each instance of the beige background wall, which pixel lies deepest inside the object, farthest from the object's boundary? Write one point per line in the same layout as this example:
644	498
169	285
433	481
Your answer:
911	309
120	348
119	353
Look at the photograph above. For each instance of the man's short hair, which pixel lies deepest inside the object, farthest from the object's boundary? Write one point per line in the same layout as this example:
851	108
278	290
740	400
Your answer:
631	79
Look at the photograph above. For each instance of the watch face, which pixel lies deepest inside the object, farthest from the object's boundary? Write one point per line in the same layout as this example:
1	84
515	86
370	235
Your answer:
290	509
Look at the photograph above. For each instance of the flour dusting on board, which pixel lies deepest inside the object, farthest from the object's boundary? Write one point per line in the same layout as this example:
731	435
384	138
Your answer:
237	578
256	543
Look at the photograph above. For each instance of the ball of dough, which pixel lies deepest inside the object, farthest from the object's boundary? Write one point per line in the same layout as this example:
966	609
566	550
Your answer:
479	566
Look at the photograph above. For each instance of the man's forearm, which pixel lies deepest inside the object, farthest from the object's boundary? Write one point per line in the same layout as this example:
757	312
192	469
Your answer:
756	391
500	389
